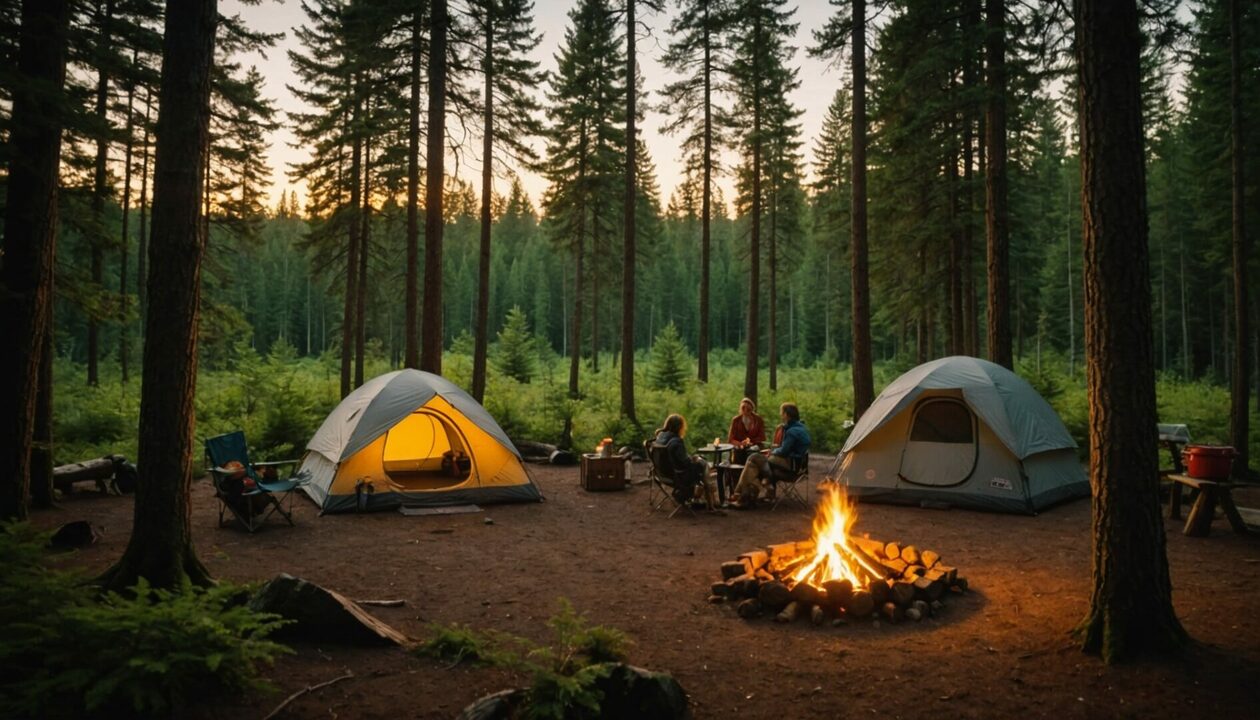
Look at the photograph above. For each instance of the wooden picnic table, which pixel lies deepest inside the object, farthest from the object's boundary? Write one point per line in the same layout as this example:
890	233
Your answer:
1211	492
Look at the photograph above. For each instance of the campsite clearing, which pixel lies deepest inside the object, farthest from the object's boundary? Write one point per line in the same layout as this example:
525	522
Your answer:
1000	650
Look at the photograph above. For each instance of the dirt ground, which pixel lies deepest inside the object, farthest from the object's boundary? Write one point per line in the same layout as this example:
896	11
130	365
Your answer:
1000	651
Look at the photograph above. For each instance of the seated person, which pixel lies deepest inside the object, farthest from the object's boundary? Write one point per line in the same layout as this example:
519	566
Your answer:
781	462
691	473
747	428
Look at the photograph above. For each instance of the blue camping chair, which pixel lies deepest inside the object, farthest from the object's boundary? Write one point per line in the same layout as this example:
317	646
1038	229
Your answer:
251	505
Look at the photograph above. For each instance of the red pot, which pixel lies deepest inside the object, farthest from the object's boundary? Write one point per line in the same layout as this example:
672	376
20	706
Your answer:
1209	462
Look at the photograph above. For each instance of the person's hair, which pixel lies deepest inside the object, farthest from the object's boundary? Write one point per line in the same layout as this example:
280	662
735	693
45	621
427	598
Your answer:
750	402
790	409
676	424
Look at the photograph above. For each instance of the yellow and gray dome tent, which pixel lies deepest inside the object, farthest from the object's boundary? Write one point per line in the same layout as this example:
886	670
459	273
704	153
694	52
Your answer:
412	438
962	432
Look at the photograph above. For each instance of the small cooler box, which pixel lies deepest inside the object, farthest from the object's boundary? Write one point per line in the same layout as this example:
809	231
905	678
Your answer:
603	473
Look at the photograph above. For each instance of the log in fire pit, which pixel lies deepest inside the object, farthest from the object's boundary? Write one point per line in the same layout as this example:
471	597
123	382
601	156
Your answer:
836	576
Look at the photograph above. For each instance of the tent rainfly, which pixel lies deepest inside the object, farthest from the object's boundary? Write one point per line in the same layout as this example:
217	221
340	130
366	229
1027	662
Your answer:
962	432
412	438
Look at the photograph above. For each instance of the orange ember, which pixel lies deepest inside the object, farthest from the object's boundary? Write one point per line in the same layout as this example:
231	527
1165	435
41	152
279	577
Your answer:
835	557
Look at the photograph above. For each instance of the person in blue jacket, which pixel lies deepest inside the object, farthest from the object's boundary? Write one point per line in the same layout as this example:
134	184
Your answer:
782	462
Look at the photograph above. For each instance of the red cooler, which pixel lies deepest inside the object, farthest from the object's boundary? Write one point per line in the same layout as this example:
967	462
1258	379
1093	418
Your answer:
1208	462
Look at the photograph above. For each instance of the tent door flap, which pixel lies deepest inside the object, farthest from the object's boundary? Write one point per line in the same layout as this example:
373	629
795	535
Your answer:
942	448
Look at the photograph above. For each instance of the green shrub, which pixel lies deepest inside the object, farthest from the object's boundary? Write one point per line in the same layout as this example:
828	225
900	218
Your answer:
563	673
66	652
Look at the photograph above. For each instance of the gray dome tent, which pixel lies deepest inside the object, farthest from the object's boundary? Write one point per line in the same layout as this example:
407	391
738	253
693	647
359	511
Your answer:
962	432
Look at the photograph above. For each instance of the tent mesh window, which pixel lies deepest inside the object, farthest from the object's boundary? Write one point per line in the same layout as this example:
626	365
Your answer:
942	421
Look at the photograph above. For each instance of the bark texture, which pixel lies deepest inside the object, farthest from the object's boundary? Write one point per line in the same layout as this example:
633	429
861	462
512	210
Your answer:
30	238
1242	340
161	547
411	352
482	330
863	379
628	243
431	340
997	223
1130	610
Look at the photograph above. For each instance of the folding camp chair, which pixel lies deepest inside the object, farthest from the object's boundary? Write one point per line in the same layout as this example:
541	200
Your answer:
251	505
790	488
664	480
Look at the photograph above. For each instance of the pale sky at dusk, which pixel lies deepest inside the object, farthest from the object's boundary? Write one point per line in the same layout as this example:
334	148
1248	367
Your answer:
818	83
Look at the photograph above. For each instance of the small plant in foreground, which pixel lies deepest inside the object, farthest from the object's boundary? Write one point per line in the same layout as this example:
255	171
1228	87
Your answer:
564	673
66	652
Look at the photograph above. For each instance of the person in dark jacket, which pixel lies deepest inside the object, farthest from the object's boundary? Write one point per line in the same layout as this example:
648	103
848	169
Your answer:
782	462
691	472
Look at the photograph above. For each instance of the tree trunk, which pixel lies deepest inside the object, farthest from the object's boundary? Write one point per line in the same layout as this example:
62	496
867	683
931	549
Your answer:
863	381
124	348
105	14
702	342
42	442
1131	610
30	238
411	354
352	253
1239	393
970	314
161	547
954	264
365	227
482	329
432	338
142	247
575	349
997	229
754	261
628	259
773	331
595	294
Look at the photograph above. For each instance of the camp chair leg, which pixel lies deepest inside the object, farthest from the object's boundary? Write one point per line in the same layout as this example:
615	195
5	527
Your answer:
790	489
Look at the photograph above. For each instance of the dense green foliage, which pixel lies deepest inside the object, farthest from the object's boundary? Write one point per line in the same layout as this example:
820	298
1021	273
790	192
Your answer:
280	401
562	672
66	652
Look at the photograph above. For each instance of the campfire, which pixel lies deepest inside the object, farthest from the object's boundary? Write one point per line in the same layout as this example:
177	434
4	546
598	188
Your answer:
837	576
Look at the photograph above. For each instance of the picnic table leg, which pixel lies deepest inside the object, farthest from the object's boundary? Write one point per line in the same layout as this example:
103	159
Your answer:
1231	512
1199	521
1174	501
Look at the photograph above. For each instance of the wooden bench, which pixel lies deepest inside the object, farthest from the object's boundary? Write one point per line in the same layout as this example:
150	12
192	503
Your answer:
1199	521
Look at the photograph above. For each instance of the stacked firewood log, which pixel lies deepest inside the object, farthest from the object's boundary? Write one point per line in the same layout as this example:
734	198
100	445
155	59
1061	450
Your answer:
895	582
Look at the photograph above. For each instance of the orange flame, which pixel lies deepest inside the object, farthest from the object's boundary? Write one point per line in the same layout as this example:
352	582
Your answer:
834	556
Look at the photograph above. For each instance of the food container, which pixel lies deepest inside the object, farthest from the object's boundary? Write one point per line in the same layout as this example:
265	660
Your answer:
1208	462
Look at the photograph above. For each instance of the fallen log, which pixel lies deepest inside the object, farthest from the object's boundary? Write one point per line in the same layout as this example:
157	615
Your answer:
321	615
927	589
734	569
98	470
